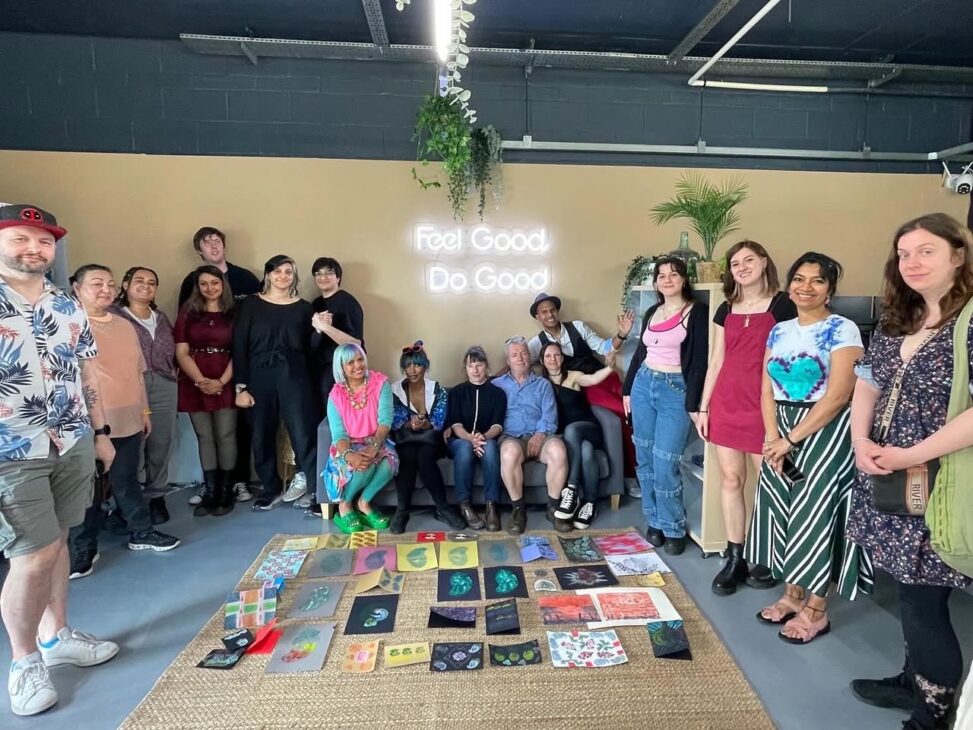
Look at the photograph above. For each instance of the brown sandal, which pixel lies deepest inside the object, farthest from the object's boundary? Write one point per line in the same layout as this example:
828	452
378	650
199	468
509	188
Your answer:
806	629
791	607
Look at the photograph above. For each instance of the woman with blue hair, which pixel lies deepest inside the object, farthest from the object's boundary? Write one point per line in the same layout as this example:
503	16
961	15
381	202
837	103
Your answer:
418	422
362	459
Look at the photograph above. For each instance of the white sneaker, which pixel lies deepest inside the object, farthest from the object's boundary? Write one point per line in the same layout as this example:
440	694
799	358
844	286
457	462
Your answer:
78	648
633	487
569	503
242	492
296	489
304	502
197	497
30	688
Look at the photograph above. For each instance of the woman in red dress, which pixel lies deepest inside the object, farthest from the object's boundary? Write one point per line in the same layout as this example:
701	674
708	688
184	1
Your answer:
203	335
729	415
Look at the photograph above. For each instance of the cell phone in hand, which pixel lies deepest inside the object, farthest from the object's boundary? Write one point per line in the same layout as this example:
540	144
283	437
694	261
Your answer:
790	472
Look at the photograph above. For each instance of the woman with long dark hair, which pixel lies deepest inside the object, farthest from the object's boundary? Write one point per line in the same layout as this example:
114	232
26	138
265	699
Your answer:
729	411
204	339
804	492
928	280
136	303
661	393
271	341
581	432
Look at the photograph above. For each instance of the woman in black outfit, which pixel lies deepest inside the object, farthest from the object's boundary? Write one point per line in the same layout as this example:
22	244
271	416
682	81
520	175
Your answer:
271	339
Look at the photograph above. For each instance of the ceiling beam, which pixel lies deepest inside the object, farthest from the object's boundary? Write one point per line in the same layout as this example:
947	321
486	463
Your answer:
704	26
376	23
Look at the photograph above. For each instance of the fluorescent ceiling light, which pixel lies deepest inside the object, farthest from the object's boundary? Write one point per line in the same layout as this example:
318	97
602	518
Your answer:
764	87
733	41
443	23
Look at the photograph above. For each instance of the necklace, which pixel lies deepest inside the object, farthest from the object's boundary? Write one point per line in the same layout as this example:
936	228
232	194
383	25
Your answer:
750	305
358	400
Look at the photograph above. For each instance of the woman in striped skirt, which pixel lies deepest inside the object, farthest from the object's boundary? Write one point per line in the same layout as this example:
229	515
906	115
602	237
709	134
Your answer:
804	493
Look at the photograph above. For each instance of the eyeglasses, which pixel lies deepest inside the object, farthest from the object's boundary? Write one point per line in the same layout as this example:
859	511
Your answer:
417	347
516	340
324	274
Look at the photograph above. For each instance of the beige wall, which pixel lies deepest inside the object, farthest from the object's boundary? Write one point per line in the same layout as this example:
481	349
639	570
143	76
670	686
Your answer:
127	209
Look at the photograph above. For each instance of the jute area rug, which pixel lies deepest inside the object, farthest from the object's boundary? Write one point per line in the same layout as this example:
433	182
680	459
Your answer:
708	692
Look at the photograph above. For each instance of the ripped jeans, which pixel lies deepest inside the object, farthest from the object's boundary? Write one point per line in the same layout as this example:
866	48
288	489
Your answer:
660	428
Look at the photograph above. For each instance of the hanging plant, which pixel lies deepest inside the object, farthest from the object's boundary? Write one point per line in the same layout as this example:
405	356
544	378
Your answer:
442	133
486	155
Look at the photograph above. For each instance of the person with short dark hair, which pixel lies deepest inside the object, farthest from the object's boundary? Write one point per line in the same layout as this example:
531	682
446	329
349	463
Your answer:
476	411
928	281
47	456
338	320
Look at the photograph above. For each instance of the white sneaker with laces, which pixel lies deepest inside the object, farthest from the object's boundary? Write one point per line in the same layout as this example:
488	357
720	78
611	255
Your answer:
296	489
77	648
29	685
586	513
242	492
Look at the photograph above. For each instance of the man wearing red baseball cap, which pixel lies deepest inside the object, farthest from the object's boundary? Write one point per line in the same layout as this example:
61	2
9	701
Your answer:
52	428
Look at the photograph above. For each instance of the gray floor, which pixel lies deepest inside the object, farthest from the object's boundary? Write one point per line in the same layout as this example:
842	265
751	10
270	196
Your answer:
153	605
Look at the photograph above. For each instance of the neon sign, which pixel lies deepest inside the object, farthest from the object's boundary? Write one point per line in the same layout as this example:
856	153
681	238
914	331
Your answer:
476	246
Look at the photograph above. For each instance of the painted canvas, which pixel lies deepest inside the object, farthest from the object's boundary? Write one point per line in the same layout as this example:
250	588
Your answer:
452	617
372	615
502	618
249	609
567	609
329	563
505	581
585	648
626	543
301	543
360	657
412	557
401	655
543	544
636	564
580	549
302	648
629	606
365	538
458	585
371	558
669	639
515	655
316	599
456	555
585	576
500	552
285	563
456	657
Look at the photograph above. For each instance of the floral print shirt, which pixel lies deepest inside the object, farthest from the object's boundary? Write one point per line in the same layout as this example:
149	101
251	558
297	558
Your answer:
41	400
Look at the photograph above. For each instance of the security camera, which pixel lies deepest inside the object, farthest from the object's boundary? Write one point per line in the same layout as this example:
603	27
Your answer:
961	184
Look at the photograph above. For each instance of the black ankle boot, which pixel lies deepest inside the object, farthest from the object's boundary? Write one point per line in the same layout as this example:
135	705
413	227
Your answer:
734	571
210	486
225	499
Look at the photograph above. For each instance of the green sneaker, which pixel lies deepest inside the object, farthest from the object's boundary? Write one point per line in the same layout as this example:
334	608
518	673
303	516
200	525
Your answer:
375	520
348	523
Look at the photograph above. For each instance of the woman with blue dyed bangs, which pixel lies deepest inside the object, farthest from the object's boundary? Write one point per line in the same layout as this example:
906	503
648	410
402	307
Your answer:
417	427
362	459
804	493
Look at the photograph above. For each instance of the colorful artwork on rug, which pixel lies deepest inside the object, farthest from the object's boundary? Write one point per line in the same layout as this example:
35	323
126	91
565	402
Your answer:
285	563
430	536
579	549
265	639
238	640
302	648
458	555
249	609
626	543
502	618
543	544
412	557
629	606
360	657
380	578
652	580
277	584
316	599
530	553
401	655
585	576
456	657
500	552
373	558
300	543
636	564
334	541
365	538
505	581
329	563
372	615
567	609
669	639
458	585
452	617
585	648
515	655
220	659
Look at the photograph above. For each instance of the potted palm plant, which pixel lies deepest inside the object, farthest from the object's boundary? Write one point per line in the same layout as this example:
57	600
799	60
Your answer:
710	210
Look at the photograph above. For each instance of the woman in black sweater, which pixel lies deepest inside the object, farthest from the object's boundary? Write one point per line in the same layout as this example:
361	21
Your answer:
271	338
661	393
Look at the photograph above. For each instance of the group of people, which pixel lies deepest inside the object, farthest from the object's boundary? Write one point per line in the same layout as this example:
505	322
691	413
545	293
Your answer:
92	382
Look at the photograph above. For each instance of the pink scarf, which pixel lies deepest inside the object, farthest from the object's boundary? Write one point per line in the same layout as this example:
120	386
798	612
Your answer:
360	423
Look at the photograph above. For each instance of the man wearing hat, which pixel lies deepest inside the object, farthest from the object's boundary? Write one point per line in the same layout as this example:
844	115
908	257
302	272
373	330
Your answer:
581	347
52	428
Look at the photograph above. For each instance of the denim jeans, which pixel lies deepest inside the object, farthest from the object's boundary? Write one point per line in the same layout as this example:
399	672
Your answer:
581	439
660	428
464	463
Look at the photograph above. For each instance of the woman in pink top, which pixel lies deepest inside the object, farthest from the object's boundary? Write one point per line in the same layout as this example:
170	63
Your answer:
661	393
362	459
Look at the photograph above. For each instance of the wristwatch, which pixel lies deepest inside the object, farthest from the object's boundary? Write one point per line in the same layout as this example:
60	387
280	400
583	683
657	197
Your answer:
103	431
240	388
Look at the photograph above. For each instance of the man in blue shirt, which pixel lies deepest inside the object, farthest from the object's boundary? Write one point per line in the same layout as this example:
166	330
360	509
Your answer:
528	433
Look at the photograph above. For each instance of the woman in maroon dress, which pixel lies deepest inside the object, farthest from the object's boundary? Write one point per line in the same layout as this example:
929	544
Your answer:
203	335
729	415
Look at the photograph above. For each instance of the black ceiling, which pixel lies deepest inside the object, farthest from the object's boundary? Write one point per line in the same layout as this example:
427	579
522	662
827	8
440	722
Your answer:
904	31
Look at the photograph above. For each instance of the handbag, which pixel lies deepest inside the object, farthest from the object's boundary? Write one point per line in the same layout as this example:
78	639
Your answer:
405	435
904	491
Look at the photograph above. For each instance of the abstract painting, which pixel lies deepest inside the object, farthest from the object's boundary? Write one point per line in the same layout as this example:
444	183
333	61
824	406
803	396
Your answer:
505	581
249	609
585	648
302	648
567	609
456	657
458	585
585	576
515	655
